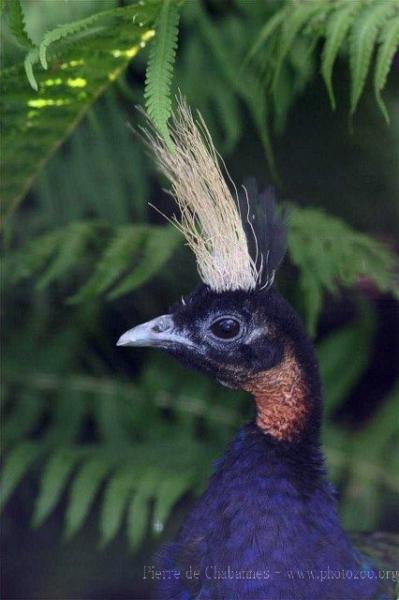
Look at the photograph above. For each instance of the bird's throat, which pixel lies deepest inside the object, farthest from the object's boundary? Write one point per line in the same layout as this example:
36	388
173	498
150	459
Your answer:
281	394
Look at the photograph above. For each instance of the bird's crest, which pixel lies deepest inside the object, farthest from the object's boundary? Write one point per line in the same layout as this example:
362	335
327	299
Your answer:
218	227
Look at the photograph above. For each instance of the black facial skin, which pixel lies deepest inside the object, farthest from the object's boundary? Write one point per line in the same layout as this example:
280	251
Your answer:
251	336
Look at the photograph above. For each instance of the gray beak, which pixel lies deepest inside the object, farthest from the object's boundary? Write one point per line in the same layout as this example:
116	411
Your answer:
160	332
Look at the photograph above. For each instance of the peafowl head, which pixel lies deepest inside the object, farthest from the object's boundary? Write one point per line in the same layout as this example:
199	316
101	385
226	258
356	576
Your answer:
234	327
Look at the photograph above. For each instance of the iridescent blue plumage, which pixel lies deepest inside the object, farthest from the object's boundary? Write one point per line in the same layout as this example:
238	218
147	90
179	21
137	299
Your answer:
266	528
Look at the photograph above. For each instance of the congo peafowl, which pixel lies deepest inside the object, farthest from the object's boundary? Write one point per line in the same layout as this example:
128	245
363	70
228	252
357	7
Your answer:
267	527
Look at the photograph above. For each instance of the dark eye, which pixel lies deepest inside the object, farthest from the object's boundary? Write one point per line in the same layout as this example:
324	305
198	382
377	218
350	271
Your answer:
226	328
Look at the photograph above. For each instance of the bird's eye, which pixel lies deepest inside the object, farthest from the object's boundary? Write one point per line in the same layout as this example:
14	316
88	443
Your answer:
226	328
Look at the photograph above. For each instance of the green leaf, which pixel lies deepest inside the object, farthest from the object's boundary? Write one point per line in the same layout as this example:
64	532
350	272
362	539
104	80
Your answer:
71	249
68	411
336	442
336	30
54	477
108	175
228	111
362	42
116	258
171	489
109	417
116	496
313	301
17	24
23	418
159	247
245	84
341	363
296	19
382	428
35	124
71	29
350	25
132	12
139	507
329	253
32	258
140	249
268	29
16	464
359	502
386	51
83	491
160	68
259	111
137	520
31	59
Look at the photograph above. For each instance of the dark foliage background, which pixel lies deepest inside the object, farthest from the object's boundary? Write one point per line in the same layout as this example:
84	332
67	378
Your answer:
105	449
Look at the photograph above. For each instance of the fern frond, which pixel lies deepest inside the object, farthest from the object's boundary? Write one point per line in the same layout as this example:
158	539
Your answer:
144	250
116	497
247	86
293	24
71	249
295	74
52	256
158	248
67	418
359	501
126	241
83	490
130	473
170	491
383	427
101	144
35	125
16	464
266	32
358	507
138	513
349	25
23	418
320	246
160	68
110	419
338	353
363	37
228	113
33	257
53	481
389	46
71	29
31	59
16	21
336	30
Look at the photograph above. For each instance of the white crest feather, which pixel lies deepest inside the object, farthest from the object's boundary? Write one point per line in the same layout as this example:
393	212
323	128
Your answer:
210	218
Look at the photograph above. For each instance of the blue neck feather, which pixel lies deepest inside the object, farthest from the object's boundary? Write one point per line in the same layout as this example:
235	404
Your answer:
266	528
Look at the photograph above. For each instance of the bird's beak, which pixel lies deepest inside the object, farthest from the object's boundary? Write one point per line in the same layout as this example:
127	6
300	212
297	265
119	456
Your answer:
160	332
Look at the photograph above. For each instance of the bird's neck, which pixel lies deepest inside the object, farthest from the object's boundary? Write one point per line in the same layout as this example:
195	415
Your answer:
287	403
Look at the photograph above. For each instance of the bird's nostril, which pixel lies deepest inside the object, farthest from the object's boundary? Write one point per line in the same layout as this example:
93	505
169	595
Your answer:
161	326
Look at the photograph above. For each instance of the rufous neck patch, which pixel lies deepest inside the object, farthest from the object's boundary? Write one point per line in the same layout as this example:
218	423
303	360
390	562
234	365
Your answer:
281	398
